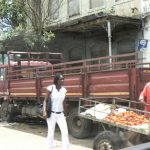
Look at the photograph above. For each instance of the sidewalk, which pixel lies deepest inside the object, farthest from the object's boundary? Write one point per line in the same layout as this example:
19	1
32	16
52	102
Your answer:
17	140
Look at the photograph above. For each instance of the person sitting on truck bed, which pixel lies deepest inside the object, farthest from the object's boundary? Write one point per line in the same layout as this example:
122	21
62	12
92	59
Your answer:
145	96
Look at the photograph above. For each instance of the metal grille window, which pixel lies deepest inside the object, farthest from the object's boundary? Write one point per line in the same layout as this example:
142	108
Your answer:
53	7
73	7
96	3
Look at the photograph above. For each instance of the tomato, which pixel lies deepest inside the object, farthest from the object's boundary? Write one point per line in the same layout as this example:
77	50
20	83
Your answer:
129	118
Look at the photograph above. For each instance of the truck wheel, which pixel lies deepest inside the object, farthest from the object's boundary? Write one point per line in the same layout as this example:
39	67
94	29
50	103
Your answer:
78	126
107	140
5	114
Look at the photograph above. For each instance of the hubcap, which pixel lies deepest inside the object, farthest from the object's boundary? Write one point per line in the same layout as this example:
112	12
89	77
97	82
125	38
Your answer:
77	123
105	145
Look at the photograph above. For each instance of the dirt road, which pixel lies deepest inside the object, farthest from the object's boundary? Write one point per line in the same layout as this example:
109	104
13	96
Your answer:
20	136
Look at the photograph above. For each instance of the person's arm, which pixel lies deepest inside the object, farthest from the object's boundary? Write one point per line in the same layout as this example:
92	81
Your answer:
65	105
143	94
45	103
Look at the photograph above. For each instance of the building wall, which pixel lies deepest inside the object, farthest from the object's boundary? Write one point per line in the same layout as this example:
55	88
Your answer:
76	46
86	45
73	9
144	51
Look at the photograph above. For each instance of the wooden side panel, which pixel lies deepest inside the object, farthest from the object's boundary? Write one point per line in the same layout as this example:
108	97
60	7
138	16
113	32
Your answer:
44	82
73	84
23	88
109	84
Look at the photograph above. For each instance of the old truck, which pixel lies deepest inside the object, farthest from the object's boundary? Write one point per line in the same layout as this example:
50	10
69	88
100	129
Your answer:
26	75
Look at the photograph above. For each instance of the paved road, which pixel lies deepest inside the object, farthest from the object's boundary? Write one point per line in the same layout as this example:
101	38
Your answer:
11	139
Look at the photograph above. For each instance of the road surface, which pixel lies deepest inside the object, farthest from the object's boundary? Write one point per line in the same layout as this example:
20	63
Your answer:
30	137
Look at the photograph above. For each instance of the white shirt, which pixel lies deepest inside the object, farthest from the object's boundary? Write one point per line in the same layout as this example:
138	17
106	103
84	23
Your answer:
57	98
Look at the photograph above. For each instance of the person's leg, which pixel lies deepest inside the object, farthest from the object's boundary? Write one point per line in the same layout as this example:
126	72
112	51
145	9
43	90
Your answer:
51	122
64	131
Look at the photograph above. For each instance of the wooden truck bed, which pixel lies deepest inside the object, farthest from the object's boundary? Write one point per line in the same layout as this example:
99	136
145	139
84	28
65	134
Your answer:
84	78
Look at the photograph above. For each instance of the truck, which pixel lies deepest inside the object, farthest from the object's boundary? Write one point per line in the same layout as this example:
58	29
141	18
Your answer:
26	75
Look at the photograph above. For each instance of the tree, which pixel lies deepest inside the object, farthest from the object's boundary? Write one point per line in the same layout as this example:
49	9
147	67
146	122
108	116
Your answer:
29	18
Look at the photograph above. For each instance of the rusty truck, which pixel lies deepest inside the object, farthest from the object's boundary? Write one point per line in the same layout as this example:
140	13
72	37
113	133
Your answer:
26	75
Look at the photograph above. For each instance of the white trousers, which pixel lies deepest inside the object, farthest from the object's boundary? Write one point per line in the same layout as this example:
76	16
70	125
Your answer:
61	121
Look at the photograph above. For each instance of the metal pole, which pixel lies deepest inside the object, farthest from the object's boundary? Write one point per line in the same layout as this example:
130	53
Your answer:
109	39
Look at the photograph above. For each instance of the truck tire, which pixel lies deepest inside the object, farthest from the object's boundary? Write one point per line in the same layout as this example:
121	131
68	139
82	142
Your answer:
107	140
78	126
5	114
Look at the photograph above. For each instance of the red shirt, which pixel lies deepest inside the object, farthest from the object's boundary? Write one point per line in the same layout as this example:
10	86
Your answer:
146	94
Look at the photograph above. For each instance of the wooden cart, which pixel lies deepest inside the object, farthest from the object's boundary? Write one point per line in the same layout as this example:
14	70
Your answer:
121	124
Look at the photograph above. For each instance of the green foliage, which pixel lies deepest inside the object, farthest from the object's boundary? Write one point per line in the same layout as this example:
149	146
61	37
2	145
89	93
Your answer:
12	33
26	21
13	12
38	39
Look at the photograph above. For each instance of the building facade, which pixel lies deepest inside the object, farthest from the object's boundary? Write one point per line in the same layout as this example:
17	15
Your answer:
92	28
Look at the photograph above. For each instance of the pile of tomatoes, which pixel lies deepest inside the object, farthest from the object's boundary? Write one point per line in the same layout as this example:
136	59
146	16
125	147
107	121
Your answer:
129	118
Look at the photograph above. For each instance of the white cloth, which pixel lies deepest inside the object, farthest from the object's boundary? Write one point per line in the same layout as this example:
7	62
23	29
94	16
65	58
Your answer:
57	98
100	111
61	121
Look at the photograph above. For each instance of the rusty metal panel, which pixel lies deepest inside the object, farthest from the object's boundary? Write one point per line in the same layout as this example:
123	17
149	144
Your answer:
109	83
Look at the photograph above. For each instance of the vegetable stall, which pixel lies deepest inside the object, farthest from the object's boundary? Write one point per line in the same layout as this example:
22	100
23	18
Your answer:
121	122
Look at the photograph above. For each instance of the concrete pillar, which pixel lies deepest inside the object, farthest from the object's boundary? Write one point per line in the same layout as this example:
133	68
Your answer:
144	53
147	37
